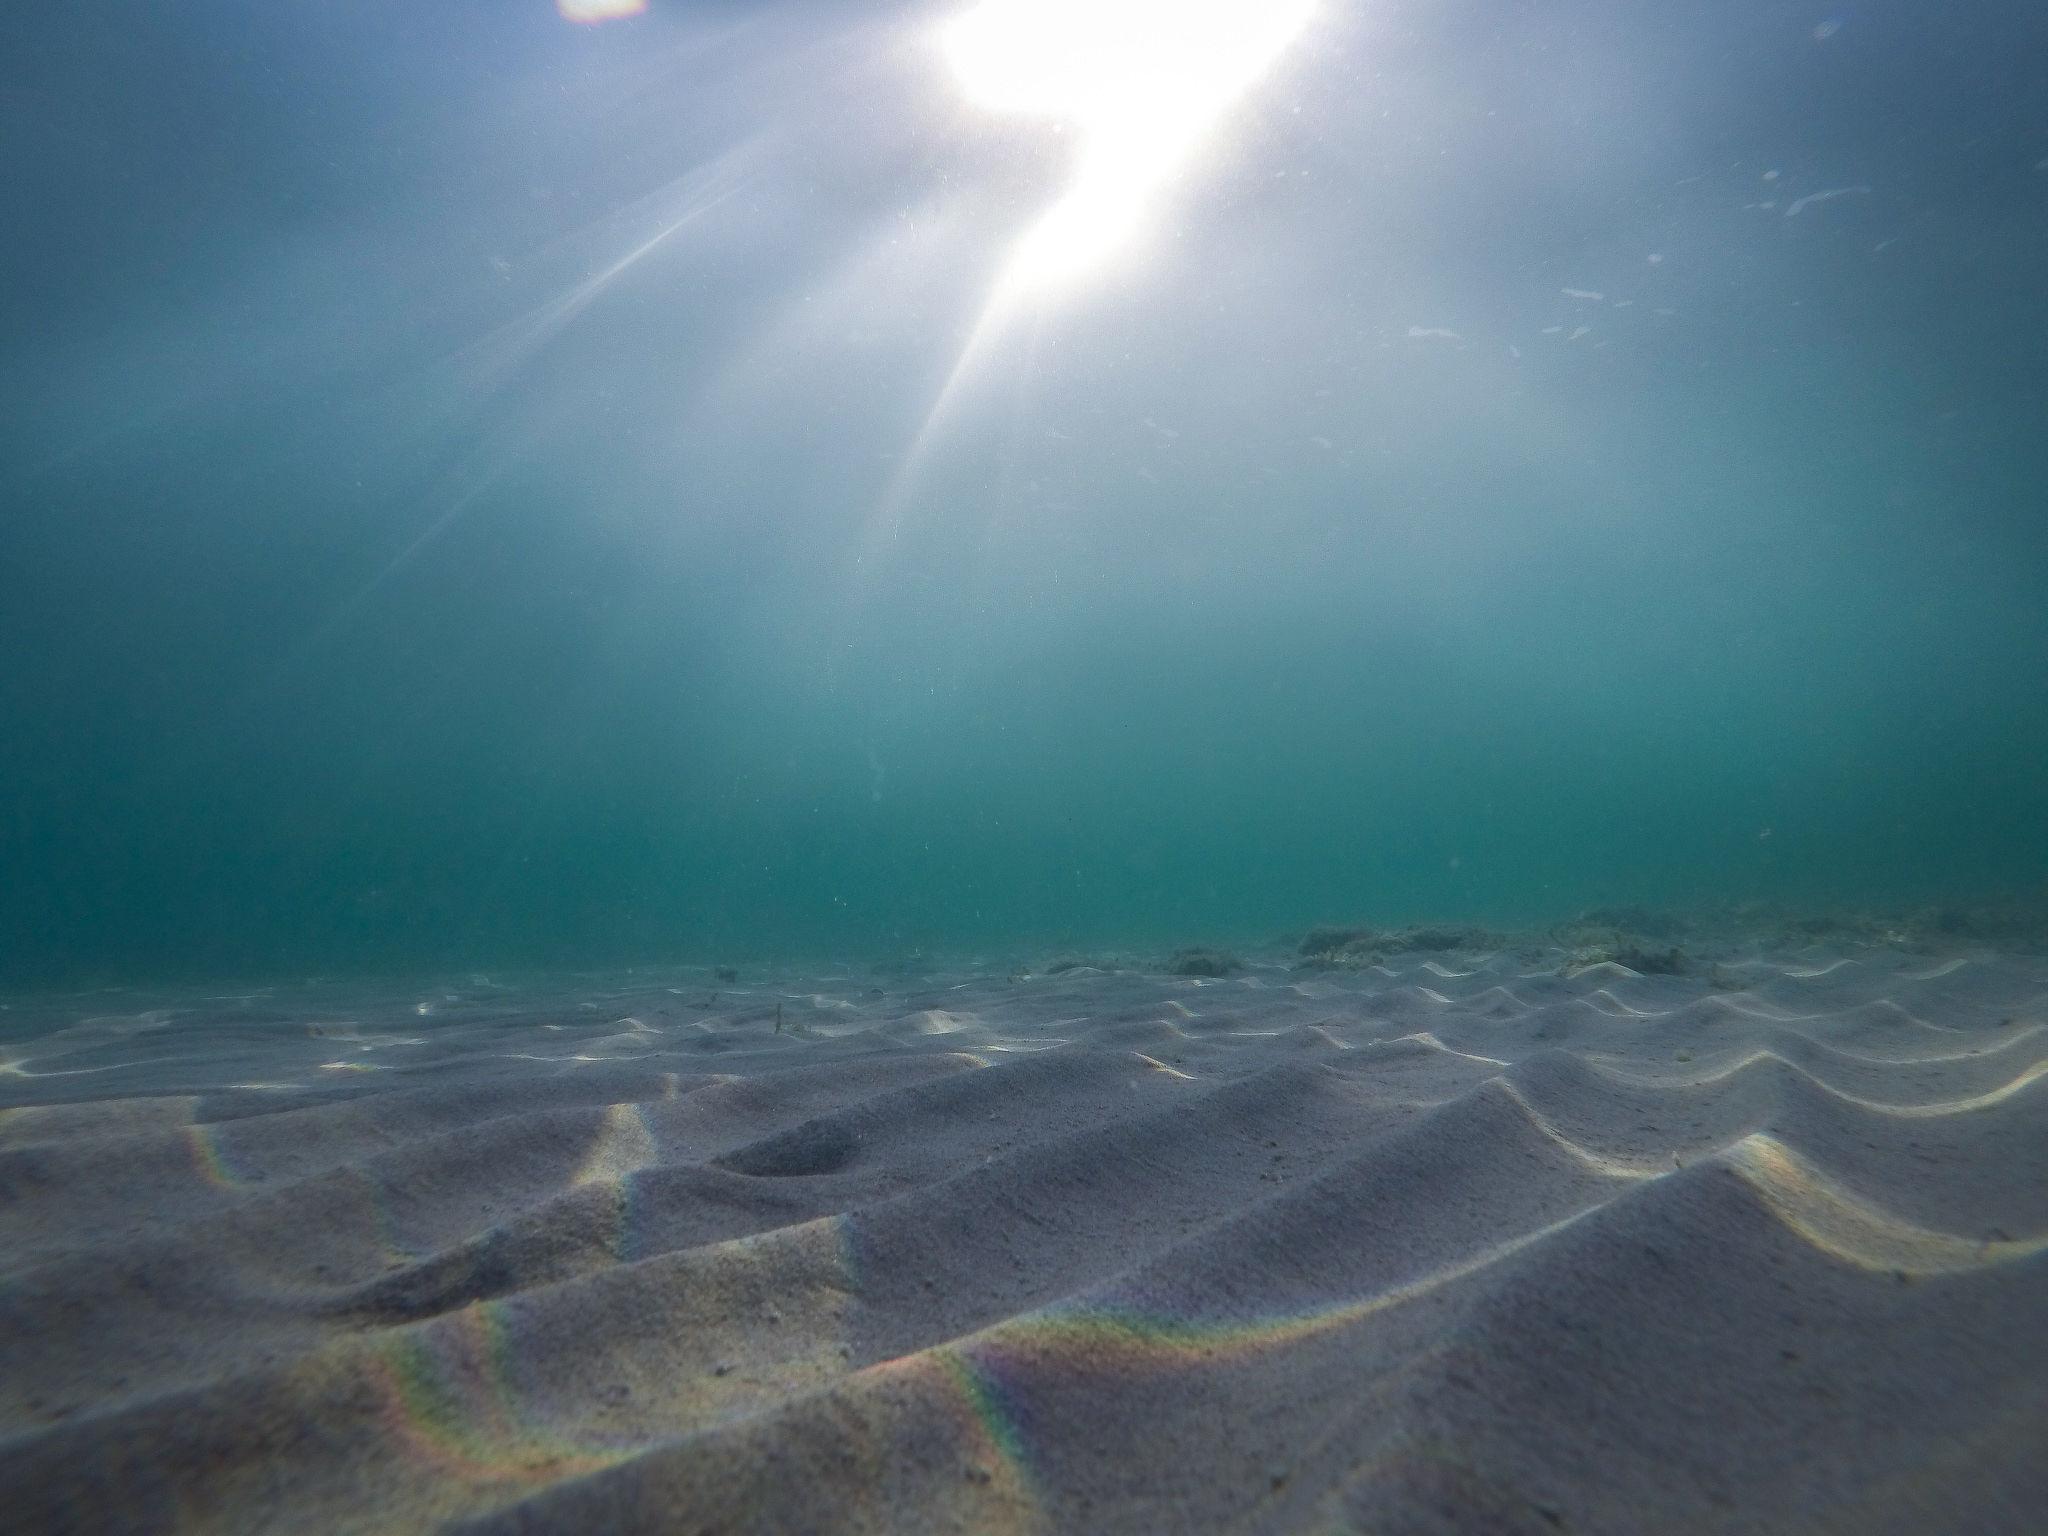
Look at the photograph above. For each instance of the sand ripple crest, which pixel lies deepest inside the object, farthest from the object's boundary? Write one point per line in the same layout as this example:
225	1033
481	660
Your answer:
1463	1244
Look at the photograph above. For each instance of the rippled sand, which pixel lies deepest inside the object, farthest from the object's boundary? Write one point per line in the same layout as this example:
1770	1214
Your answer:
1472	1243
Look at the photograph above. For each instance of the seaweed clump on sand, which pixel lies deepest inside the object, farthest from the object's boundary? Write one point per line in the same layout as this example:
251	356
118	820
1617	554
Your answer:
1627	936
1643	961
1202	962
1998	925
1442	938
1947	928
1331	947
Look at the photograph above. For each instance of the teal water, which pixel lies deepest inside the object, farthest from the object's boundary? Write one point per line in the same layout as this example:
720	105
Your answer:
481	490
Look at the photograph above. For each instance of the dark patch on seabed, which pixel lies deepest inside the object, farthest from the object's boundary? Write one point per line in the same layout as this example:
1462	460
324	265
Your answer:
1499	1234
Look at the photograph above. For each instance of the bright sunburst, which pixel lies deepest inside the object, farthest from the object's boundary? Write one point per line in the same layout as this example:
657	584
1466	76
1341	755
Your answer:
1140	81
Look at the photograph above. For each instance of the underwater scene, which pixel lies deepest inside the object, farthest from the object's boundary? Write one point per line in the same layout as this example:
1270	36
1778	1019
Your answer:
1024	766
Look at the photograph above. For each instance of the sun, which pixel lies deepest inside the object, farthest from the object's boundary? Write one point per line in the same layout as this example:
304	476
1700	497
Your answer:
1141	82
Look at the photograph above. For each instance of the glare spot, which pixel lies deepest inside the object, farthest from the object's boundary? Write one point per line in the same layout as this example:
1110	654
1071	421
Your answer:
592	11
1140	81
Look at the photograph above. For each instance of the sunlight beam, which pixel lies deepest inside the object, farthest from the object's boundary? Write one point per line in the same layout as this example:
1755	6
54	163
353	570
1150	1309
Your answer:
1141	82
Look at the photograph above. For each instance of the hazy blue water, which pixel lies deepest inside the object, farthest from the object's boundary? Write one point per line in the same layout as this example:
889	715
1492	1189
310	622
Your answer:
381	584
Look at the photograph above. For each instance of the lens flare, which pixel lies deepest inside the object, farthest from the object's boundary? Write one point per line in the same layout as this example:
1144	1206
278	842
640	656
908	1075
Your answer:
1142	82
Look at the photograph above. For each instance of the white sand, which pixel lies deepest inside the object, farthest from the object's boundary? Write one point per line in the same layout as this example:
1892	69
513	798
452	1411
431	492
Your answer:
1462	1243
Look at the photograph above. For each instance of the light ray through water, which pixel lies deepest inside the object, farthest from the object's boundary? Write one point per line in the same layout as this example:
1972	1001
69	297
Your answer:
1141	84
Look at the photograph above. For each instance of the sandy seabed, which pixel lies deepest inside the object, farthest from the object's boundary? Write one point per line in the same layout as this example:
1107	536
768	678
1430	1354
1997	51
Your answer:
1478	1241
